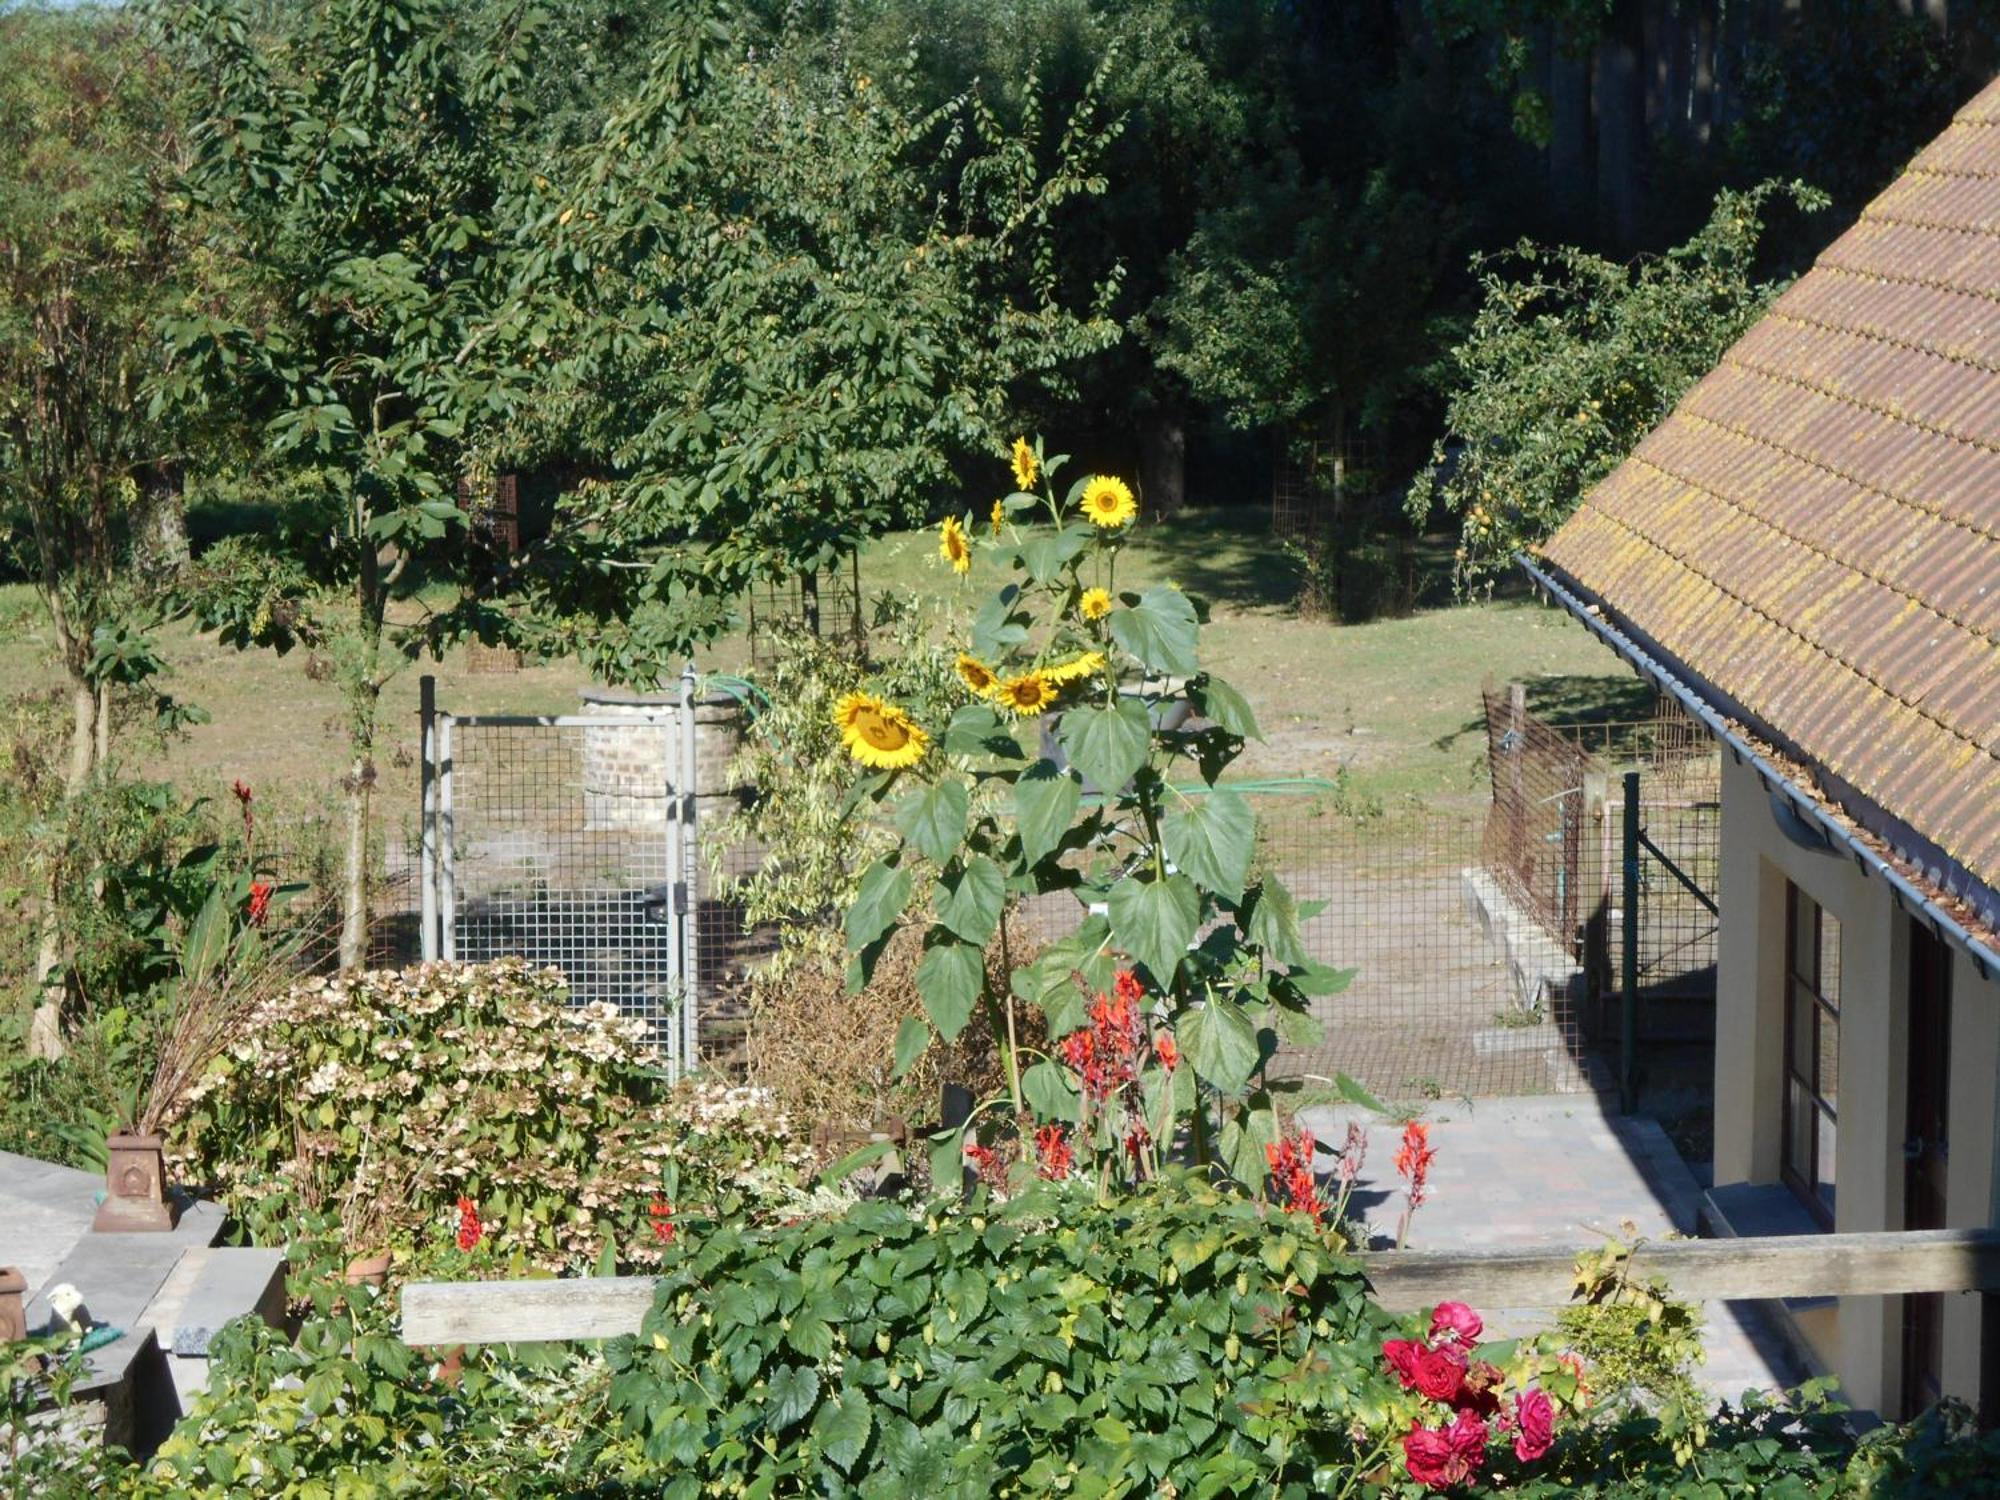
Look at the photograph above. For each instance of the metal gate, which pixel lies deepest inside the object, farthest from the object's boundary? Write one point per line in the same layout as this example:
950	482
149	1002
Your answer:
569	841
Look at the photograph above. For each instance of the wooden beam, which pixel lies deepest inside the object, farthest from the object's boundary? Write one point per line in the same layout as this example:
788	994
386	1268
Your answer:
1733	1270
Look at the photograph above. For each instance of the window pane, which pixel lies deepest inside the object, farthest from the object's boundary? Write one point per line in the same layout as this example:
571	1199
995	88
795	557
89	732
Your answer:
1829	960
1805	932
1798	1131
1828	1081
1803	1009
1823	1166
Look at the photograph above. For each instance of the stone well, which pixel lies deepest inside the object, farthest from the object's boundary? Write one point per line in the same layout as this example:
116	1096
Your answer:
628	772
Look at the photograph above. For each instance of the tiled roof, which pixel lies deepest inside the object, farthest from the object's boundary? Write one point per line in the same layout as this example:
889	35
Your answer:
1815	530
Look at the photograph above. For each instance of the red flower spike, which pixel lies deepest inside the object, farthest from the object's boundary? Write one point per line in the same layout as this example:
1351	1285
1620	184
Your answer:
260	901
470	1229
1292	1181
660	1217
1053	1152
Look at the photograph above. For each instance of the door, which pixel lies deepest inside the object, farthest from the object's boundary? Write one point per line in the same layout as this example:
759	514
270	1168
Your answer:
1924	1156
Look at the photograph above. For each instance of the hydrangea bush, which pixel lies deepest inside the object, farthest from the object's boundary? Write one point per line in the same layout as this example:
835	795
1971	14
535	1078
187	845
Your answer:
387	1098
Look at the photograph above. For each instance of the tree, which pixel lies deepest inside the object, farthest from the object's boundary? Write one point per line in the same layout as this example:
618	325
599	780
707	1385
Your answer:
1572	360
90	258
774	306
349	162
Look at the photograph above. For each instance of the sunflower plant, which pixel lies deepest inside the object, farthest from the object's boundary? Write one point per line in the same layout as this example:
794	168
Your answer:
1085	755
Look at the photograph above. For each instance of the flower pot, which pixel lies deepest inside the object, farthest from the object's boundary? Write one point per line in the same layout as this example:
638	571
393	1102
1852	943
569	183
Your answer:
135	1177
13	1316
368	1270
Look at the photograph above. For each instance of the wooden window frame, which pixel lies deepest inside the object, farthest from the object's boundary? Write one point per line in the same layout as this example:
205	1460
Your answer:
1803	1178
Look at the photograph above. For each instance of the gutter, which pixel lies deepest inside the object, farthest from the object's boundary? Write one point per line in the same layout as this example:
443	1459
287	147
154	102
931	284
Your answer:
1798	803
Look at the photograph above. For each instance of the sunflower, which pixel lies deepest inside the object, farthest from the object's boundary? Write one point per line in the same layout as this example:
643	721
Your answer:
1095	604
1087	665
879	735
1027	467
953	547
975	674
999	518
1029	693
1108	502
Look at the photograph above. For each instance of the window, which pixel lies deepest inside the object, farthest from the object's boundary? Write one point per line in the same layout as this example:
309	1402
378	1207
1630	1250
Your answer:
1812	1050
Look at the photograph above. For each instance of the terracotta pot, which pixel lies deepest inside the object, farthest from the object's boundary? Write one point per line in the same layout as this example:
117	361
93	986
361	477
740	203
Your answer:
369	1270
13	1316
135	1177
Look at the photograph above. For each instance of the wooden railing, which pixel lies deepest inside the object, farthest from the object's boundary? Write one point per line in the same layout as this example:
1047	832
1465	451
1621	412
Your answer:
1731	1270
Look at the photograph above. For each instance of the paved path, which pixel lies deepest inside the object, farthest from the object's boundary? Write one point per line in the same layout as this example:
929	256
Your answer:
1556	1171
44	1210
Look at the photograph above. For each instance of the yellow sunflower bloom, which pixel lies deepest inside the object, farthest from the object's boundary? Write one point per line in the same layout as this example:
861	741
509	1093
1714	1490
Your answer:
879	735
1095	604
1029	693
1108	502
953	546
1027	468
975	674
999	518
1087	665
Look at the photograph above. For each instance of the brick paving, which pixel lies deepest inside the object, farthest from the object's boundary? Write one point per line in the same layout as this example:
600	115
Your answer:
1532	1171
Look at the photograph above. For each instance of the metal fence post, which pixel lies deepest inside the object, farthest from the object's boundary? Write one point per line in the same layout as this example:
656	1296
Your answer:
1628	1015
427	904
446	837
690	902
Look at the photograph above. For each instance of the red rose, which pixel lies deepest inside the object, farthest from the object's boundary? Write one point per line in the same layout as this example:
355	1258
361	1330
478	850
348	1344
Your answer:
1402	1355
1454	1320
1534	1425
1468	1439
1440	1457
1440	1373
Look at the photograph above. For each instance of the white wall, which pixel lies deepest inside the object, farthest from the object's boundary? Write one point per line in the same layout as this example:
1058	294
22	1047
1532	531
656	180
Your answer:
1861	1342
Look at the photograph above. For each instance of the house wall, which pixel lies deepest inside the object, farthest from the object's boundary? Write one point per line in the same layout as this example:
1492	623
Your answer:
1859	1338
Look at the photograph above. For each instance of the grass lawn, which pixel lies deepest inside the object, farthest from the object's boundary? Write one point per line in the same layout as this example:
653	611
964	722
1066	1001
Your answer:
1394	703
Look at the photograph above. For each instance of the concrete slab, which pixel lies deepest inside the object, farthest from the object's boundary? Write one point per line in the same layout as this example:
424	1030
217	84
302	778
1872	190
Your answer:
44	1210
1555	1171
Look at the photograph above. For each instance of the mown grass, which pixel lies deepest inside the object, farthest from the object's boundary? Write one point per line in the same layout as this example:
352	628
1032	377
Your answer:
1393	704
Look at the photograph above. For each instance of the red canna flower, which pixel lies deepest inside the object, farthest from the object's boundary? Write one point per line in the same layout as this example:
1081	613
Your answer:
260	901
1054	1153
1165	1050
660	1217
1292	1181
470	1230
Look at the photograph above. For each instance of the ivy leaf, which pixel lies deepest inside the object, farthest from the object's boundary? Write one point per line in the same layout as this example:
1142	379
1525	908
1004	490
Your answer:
948	982
1045	804
1218	1039
885	891
841	1428
912	1037
968	899
1160	630
1218	702
1212	838
1050	1092
1109	745
1155	920
788	1398
1274	923
933	818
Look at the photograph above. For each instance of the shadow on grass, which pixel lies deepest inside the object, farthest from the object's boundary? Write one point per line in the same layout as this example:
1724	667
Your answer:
1225	555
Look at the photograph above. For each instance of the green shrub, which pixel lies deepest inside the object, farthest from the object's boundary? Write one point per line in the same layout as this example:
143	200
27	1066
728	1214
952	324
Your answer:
385	1098
1050	1342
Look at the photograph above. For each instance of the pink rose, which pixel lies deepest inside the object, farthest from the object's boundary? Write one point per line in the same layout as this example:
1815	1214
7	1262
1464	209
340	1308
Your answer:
1402	1356
1534	1425
1454	1320
1440	1373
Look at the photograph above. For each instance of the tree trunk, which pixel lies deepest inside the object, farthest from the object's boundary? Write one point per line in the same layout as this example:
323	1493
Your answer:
1570	166
357	786
1621	120
364	700
161	537
1676	41
85	735
1701	101
1163	463
1729	48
